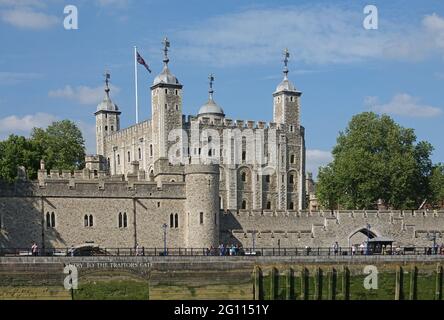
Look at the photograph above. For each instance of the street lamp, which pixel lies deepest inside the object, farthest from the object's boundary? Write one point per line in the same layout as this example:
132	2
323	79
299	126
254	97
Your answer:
164	226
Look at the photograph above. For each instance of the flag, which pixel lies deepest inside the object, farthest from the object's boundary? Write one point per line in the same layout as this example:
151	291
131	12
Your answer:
142	62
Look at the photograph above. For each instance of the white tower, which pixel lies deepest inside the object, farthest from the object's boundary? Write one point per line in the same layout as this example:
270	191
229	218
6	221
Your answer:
166	102
107	118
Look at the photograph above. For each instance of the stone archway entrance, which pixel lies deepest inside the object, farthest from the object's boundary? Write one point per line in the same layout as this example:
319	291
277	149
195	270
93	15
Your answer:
359	236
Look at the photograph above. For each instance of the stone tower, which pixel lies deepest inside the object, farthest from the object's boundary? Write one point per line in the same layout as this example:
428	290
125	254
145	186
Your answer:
166	102
291	144
286	101
202	206
107	118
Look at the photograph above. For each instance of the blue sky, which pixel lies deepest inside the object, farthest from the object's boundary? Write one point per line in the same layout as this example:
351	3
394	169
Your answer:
48	73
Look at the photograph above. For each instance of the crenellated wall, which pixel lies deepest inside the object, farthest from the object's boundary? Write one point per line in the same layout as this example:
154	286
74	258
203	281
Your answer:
26	207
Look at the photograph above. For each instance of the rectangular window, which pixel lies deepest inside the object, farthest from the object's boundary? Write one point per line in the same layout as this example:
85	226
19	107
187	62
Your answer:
201	218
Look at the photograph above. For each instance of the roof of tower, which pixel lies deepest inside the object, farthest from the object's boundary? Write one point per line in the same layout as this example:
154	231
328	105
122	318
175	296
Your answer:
107	104
165	77
211	107
286	85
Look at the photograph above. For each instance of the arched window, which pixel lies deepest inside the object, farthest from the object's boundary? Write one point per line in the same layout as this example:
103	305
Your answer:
151	150
91	220
140	154
244	155
129	156
125	220
291	179
176	221
244	204
106	128
201	218
52	220
292	159
118	159
244	176
85	221
48	220
171	221
268	205
112	128
120	220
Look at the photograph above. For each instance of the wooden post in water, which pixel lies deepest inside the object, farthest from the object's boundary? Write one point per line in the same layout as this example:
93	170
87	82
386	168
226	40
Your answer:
413	283
289	285
331	278
438	283
399	284
273	283
345	283
318	284
304	283
257	286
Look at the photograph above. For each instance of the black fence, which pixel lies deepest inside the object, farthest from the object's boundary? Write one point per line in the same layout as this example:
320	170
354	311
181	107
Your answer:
98	251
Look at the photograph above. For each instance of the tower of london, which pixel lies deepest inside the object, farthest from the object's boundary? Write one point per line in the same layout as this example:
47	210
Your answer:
193	181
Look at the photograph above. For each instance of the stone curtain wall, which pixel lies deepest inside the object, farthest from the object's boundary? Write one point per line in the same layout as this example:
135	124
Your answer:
322	229
24	207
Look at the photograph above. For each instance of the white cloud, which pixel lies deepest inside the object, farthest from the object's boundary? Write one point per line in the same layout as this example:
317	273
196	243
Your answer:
24	125
314	35
112	3
27	18
22	3
403	104
82	94
12	78
317	158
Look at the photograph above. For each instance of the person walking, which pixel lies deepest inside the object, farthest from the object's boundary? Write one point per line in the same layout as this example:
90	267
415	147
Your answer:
336	248
34	249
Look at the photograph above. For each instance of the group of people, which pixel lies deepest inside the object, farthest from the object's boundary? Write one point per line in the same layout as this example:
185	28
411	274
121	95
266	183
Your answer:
222	250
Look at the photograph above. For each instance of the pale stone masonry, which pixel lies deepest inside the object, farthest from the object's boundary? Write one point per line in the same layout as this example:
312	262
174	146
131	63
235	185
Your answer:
208	178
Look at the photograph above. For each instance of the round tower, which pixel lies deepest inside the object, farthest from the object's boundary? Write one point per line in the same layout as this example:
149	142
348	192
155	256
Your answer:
202	205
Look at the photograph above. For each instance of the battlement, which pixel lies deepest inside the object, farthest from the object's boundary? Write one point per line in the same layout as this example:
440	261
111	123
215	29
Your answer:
336	214
111	188
240	124
202	169
130	131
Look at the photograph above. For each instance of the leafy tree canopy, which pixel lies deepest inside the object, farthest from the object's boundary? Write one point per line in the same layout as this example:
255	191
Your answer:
61	145
376	159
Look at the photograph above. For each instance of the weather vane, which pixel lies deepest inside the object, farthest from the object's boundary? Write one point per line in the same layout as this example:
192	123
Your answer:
286	57
107	78
166	45
211	78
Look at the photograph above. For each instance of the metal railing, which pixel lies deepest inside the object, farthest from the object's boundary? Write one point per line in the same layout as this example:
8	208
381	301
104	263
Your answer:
307	251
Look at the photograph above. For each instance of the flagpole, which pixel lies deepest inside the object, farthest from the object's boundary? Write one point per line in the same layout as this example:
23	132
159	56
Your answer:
136	84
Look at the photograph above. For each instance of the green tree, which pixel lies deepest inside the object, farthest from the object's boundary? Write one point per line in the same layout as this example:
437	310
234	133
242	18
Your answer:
14	152
375	158
437	185
61	145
